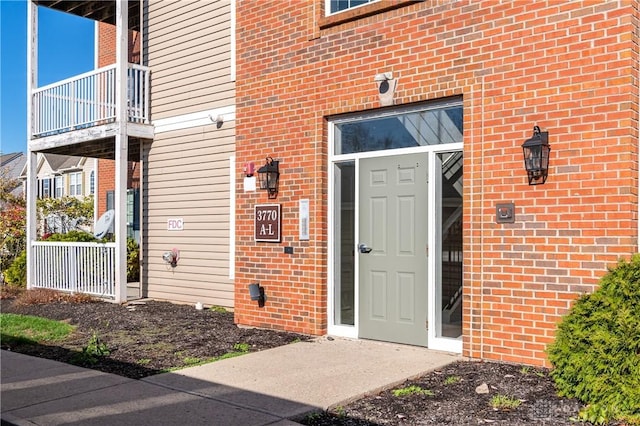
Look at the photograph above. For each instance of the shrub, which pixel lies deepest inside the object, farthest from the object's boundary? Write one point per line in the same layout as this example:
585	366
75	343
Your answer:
16	274
596	352
73	236
133	260
42	296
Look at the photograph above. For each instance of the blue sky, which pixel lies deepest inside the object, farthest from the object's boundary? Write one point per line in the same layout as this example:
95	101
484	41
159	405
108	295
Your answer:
66	45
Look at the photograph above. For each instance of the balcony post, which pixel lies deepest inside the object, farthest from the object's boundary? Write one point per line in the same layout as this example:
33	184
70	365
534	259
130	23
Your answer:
121	150
31	186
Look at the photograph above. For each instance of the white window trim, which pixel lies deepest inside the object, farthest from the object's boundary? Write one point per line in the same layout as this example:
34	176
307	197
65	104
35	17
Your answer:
56	180
92	182
327	7
232	46
75	189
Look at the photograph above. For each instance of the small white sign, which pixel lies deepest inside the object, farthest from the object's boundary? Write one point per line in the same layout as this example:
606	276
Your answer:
249	183
175	224
304	220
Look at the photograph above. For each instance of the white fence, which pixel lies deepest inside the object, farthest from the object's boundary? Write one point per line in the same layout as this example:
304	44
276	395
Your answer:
89	100
75	267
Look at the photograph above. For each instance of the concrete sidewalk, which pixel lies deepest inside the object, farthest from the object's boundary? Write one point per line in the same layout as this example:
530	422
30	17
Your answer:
261	388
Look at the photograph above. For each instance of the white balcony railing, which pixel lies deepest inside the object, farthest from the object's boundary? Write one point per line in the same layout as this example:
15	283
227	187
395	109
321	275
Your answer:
75	267
89	100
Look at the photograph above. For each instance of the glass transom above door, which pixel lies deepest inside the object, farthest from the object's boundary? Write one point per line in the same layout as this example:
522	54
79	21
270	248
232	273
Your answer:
434	126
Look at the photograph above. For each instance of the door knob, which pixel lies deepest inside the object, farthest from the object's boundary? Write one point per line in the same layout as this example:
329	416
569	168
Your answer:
363	248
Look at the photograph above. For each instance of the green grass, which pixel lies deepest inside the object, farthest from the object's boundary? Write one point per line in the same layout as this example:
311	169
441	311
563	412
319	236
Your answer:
238	349
503	402
18	329
411	390
450	380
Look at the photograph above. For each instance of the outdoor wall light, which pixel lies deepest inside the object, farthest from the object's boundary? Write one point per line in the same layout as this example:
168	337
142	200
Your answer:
536	156
257	293
269	177
386	85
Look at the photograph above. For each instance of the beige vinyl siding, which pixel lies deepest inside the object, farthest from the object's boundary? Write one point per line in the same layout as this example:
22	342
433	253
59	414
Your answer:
186	172
187	176
189	55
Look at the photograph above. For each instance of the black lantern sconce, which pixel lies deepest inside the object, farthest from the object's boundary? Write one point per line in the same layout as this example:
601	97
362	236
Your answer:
256	292
536	156
269	177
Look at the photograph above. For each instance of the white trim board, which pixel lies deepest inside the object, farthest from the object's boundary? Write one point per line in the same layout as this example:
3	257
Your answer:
201	118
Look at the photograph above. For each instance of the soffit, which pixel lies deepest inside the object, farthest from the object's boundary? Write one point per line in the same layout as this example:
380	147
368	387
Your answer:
102	11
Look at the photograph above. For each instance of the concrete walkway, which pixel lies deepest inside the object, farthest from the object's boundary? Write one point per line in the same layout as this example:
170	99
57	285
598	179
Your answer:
263	388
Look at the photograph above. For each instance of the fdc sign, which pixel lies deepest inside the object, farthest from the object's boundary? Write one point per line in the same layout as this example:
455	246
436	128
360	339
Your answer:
175	224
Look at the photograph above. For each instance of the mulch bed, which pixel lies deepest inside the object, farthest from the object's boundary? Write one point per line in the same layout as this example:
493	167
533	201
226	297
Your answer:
144	339
153	337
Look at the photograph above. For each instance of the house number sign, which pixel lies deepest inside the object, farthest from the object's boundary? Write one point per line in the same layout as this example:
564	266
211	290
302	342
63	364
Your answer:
267	222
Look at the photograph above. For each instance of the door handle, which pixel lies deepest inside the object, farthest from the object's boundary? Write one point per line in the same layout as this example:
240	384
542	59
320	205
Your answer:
363	248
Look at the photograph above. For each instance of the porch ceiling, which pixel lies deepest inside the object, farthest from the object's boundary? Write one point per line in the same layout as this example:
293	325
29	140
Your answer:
99	148
101	10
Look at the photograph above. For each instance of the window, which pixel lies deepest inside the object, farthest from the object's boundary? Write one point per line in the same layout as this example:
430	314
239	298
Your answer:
92	183
75	183
335	6
58	187
430	126
45	188
110	200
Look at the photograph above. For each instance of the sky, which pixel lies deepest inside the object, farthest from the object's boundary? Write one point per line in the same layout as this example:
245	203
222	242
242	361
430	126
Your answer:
65	49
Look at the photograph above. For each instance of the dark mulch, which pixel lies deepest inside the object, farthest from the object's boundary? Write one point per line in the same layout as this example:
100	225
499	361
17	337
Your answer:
153	337
144	339
456	402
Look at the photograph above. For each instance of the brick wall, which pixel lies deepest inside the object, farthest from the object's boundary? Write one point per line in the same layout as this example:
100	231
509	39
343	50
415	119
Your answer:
107	168
569	67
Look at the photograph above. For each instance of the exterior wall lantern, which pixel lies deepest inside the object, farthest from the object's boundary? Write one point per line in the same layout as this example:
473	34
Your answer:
269	177
536	156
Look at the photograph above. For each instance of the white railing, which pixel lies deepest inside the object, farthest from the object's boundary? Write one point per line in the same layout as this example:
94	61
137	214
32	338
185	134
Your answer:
89	100
75	267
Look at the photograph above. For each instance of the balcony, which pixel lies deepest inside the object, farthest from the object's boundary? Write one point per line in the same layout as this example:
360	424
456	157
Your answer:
75	116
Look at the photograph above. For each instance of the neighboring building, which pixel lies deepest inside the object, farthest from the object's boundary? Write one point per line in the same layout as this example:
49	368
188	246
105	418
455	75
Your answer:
61	176
11	166
399	125
64	176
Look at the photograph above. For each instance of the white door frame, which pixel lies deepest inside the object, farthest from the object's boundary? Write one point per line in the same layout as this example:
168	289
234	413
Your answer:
439	343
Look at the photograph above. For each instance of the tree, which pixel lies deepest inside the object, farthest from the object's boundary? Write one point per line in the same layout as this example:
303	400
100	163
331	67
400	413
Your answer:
13	221
65	214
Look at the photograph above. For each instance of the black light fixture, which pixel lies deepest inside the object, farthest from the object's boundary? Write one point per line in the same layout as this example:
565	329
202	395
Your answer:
536	156
269	176
256	292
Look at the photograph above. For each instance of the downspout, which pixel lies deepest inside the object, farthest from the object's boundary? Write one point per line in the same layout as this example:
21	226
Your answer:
481	220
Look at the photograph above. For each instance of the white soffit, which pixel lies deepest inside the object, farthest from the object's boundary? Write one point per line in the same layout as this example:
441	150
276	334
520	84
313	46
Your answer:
202	118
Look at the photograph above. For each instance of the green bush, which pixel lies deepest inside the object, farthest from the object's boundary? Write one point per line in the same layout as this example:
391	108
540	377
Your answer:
16	274
133	260
596	352
73	236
